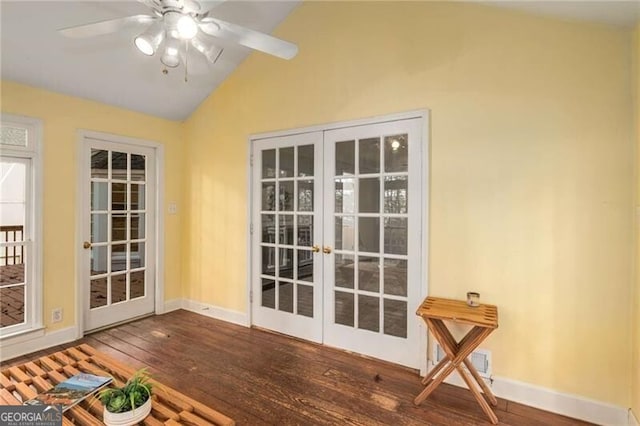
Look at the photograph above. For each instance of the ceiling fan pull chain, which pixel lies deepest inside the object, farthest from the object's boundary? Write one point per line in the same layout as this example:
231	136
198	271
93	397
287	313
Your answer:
186	60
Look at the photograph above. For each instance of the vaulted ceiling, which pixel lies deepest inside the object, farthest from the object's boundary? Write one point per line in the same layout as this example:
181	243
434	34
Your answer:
109	69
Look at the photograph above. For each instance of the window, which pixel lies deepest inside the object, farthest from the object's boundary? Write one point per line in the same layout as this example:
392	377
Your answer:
20	225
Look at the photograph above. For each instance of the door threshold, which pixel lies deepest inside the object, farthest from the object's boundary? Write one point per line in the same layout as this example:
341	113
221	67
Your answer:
119	323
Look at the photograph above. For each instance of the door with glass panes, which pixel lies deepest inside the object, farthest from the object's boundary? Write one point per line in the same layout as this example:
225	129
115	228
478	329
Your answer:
333	261
119	232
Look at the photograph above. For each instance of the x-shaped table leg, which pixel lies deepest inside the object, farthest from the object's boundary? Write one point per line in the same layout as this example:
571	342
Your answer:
456	355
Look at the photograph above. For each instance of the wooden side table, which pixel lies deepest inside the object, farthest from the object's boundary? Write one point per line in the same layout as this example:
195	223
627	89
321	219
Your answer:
484	319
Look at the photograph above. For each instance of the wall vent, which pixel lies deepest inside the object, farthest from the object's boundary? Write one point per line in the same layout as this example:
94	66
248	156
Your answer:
480	358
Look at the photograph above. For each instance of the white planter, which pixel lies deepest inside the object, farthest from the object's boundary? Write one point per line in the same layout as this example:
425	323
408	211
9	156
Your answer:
127	418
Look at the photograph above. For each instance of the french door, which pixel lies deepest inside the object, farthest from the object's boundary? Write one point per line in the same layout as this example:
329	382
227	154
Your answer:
336	244
118	265
287	258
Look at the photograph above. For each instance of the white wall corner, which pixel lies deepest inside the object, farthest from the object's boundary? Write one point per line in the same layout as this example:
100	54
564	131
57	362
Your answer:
633	420
224	314
12	348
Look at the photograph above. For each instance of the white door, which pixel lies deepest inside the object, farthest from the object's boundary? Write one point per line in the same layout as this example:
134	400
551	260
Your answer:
119	217
287	233
372	222
333	212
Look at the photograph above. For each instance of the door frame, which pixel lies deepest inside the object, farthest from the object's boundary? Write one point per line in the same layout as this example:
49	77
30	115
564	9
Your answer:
425	176
82	202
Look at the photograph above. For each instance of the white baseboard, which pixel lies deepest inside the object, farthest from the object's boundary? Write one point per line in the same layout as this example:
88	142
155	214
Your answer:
173	305
546	399
12	349
212	311
633	420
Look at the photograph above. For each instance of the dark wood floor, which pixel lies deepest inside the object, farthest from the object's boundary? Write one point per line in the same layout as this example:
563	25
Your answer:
257	377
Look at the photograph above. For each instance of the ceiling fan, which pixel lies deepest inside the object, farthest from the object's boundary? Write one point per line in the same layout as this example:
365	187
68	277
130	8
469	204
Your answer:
177	25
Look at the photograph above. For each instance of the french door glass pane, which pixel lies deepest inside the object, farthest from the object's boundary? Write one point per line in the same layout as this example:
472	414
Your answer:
99	164
396	153
369	156
305	266
369	195
305	300
396	194
137	196
285	302
344	270
99	256
286	229
345	158
99	196
395	318
98	296
138	167
305	230
305	160
99	227
268	299
395	277
137	226
118	288
137	284
344	309
269	163
119	165
286	162
268	228
368	273
305	196
286	196
368	313
369	234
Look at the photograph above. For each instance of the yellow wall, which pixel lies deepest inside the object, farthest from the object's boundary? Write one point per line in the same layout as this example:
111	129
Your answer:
531	167
62	116
635	392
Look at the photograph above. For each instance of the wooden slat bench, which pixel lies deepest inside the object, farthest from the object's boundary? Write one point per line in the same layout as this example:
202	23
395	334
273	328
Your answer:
169	406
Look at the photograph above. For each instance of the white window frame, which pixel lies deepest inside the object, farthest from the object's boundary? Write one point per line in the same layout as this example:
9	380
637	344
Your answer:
33	218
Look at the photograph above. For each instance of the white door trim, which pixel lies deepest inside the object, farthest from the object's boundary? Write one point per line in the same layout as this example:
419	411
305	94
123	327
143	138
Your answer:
82	136
424	116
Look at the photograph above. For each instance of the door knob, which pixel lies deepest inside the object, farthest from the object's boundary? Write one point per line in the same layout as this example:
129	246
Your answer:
315	248
326	250
86	244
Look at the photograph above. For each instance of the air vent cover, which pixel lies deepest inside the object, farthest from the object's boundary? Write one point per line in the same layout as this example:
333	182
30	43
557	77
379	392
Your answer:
480	358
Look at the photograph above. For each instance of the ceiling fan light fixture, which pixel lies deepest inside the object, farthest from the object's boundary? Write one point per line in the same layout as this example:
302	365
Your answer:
171	57
148	41
187	27
209	50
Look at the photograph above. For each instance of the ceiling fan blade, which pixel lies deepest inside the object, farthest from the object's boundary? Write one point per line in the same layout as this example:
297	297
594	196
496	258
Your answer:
104	27
211	6
249	38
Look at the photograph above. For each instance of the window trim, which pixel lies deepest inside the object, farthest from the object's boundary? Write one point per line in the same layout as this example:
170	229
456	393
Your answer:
33	153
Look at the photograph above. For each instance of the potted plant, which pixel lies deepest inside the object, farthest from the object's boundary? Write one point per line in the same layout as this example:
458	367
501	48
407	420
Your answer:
129	404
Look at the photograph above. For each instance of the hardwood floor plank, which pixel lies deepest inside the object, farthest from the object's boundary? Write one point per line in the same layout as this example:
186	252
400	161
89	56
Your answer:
264	378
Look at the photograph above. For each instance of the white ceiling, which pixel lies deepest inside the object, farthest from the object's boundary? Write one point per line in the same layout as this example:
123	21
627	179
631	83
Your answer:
111	70
612	12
